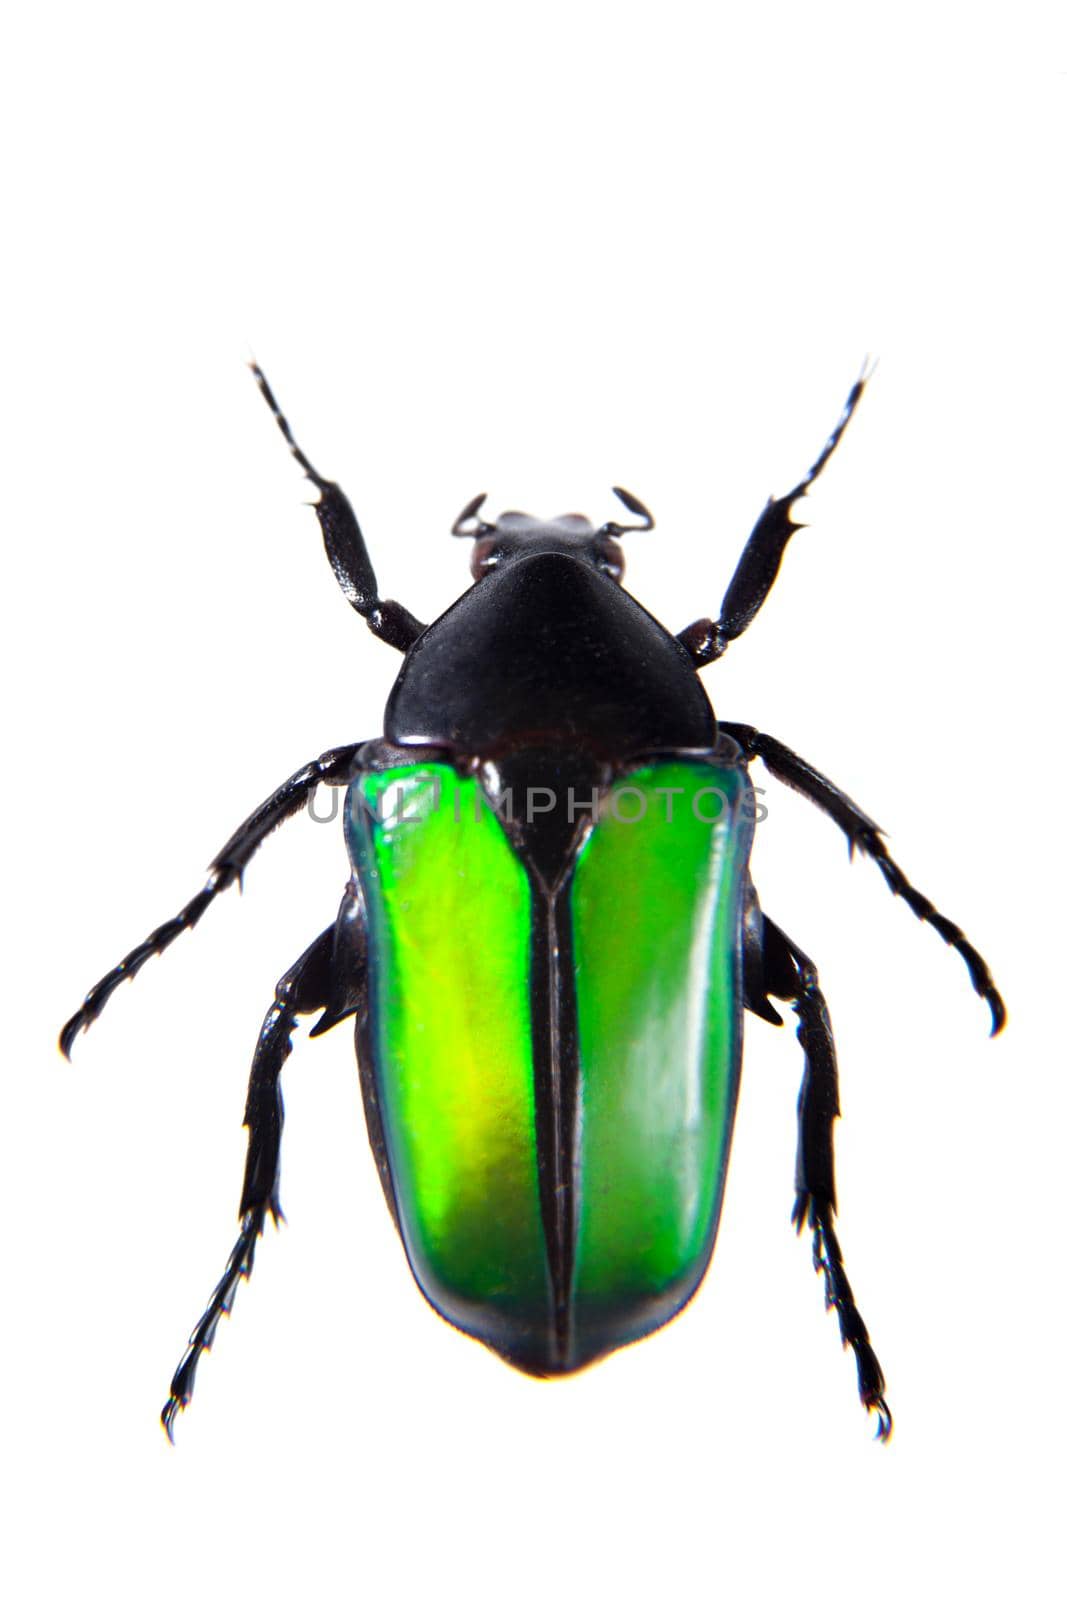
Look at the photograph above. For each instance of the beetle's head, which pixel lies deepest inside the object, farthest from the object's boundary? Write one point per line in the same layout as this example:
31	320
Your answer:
514	536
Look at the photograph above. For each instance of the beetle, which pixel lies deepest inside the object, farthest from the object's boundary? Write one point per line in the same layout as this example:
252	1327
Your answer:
547	941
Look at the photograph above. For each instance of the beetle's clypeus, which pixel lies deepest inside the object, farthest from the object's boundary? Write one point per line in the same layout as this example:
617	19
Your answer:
547	941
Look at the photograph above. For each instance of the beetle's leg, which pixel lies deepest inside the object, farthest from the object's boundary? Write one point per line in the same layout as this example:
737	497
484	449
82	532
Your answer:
757	569
345	546
865	835
754	979
789	974
335	767
319	981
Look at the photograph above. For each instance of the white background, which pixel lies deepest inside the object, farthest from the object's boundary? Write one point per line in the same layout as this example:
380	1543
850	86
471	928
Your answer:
535	250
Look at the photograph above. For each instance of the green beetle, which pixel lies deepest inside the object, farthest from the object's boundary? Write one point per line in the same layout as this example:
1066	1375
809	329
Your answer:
548	939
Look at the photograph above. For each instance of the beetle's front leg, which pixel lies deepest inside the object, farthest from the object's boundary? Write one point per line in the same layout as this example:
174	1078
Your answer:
335	767
330	977
345	546
789	973
761	558
865	835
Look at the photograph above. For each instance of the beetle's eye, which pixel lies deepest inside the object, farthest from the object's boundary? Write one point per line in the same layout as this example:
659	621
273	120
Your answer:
486	554
609	558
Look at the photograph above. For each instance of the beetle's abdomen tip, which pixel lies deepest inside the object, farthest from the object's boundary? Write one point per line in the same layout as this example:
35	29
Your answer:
546	1366
591	1334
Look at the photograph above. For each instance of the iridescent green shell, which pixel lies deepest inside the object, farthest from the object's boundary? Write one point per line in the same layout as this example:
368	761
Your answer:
652	908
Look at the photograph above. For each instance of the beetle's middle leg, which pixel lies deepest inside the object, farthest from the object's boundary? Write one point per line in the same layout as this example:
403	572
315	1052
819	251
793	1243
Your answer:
334	767
864	835
788	973
328	977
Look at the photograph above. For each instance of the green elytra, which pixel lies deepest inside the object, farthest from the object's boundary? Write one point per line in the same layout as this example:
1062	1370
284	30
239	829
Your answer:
655	899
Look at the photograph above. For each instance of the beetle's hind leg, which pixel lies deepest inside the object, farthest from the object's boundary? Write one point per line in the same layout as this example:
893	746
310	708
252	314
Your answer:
788	973
328	977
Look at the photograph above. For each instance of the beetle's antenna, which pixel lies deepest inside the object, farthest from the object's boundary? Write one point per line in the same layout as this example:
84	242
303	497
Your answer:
469	525
283	423
632	503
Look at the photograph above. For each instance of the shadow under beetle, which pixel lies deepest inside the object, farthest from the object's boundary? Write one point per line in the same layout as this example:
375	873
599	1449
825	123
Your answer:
547	940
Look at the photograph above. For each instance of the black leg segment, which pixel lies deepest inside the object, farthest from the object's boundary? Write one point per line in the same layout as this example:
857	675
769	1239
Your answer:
762	556
345	546
789	974
315	983
865	835
335	767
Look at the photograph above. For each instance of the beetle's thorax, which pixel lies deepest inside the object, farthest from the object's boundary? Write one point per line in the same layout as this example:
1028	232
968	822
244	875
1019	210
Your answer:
545	649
